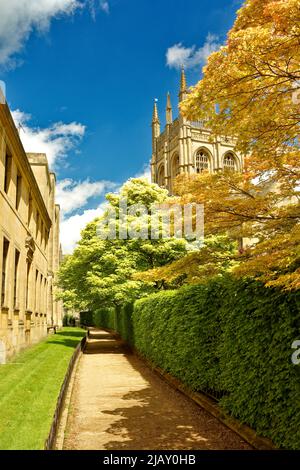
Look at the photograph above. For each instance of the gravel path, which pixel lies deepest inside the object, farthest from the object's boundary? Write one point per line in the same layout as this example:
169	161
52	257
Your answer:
118	403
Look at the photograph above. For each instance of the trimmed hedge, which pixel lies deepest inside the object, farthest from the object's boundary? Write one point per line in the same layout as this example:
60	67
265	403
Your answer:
105	318
124	323
69	320
86	318
119	319
232	337
259	327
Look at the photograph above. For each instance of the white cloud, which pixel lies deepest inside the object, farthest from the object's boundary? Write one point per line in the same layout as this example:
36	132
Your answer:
179	55
96	5
72	195
55	140
19	18
70	228
145	173
104	5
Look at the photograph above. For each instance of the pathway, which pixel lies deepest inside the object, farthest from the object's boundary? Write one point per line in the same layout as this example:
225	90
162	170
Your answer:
118	403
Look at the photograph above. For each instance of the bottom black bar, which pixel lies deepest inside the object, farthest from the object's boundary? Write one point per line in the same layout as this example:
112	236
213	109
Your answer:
150	459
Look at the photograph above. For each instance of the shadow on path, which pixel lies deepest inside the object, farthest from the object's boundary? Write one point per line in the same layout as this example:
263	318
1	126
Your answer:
118	403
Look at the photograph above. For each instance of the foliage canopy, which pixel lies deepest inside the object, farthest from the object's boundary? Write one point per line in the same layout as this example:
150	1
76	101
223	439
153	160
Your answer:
99	272
251	90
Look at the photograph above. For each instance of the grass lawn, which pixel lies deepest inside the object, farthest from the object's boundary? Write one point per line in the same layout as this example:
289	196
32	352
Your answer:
29	388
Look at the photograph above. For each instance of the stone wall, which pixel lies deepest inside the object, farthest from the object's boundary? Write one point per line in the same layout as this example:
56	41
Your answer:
29	243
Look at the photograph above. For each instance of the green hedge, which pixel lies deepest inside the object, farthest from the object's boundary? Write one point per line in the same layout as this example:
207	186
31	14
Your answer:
69	320
86	318
233	337
179	331
259	327
105	318
124	323
118	319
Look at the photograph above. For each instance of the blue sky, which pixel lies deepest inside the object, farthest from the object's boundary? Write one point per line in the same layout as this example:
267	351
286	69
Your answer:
87	73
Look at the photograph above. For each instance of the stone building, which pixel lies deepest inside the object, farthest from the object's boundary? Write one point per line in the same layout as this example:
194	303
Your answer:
187	147
29	243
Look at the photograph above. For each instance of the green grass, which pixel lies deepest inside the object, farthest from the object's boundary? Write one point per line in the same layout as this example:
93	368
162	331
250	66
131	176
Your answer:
29	388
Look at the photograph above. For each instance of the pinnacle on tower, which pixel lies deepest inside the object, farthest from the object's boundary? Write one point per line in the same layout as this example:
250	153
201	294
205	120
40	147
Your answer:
155	127
183	86
155	118
183	80
169	117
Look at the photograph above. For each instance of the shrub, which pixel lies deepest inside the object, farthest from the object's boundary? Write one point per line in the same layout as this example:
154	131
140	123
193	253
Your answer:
69	320
105	318
179	330
259	326
86	318
123	323
230	336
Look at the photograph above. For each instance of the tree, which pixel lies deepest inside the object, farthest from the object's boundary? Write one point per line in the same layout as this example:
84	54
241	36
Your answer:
215	258
251	90
99	272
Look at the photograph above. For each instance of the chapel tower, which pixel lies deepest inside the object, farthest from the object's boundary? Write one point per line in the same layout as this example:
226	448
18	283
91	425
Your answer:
187	146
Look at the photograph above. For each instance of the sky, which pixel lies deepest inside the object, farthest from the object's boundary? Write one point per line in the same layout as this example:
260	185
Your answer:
81	77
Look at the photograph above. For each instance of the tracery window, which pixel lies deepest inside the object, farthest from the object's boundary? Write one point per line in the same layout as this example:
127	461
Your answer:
201	161
229	162
175	166
161	176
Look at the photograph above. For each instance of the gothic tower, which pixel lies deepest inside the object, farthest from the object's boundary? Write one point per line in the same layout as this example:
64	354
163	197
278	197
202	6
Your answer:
186	146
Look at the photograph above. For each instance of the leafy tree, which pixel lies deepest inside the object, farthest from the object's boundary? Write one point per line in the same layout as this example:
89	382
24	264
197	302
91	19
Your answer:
251	90
99	272
216	257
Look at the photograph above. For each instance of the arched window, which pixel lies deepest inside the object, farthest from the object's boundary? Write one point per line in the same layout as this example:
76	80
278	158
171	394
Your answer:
175	166
201	161
229	162
161	176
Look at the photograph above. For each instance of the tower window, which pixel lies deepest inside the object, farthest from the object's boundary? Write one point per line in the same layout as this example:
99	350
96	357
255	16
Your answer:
161	176
202	162
229	162
175	166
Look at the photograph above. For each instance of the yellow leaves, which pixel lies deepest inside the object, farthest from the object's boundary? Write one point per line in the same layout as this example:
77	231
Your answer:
289	281
261	206
274	261
284	14
248	91
252	79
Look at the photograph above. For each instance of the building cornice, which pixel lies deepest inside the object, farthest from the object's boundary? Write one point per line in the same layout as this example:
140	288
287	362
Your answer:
42	163
20	155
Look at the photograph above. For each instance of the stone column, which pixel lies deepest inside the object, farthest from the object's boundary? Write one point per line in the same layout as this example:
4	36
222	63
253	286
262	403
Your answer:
166	166
217	162
181	150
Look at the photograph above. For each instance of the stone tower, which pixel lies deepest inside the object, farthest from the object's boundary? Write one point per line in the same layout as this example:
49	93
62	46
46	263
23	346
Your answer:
187	146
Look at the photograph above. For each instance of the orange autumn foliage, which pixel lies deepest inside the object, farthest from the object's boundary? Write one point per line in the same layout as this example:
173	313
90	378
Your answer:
251	90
